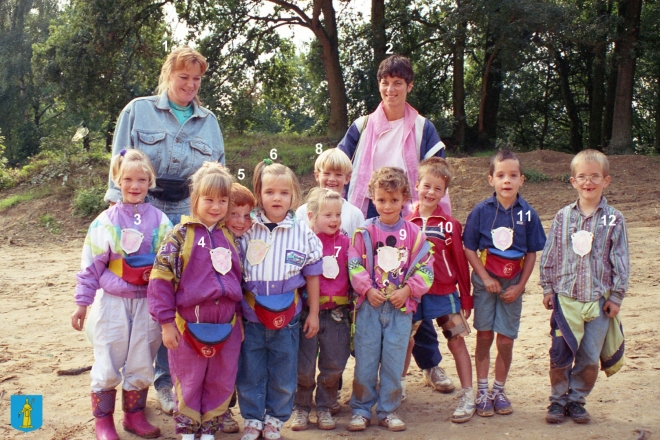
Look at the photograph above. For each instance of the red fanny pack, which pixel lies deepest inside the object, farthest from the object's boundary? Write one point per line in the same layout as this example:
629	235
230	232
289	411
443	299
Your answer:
207	339
501	267
136	269
275	311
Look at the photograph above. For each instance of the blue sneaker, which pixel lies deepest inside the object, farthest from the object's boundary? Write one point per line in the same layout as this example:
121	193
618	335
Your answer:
502	404
484	404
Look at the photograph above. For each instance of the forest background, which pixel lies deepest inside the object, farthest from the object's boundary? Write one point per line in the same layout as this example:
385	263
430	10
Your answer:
559	75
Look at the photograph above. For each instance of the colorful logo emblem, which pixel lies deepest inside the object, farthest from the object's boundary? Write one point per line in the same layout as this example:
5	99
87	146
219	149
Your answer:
26	412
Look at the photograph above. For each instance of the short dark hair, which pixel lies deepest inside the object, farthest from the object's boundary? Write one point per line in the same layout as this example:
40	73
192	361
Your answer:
396	65
501	156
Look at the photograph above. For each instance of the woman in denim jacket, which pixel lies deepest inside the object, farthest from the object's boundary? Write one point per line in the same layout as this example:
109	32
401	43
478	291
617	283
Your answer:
178	135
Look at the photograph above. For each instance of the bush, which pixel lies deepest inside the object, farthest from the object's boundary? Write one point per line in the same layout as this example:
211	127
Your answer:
50	222
535	176
89	202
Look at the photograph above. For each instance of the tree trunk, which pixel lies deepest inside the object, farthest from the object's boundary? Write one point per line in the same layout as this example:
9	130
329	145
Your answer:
612	79
657	115
621	142
598	88
458	88
491	84
326	32
571	109
378	30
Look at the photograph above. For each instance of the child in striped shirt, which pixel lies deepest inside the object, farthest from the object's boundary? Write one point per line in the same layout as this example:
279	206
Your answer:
280	256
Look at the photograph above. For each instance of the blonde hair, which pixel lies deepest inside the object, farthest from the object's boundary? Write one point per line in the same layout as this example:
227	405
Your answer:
591	156
179	59
241	196
333	159
131	158
263	170
211	179
318	198
391	179
436	166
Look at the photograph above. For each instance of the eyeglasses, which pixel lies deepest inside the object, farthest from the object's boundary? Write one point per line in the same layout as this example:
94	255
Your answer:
594	178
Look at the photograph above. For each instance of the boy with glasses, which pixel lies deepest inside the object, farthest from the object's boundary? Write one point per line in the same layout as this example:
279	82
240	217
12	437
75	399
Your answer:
585	268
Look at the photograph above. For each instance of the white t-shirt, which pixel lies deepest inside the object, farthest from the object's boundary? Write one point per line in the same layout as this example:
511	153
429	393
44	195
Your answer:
351	217
389	148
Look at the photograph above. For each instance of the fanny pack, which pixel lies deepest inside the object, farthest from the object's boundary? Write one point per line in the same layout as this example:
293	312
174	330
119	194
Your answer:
134	269
170	189
274	311
500	266
205	339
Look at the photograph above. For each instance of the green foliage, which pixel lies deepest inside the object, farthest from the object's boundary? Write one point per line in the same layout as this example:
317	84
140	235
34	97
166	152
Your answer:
89	201
51	223
535	176
14	200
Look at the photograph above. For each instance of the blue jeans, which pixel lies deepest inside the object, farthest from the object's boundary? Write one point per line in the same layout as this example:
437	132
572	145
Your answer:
426	350
162	377
381	342
574	383
267	371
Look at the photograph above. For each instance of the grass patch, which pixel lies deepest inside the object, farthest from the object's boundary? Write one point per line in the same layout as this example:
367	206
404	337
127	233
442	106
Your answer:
244	152
50	222
535	176
14	200
564	178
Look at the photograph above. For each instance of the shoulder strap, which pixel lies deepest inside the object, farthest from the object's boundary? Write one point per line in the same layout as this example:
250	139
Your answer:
360	124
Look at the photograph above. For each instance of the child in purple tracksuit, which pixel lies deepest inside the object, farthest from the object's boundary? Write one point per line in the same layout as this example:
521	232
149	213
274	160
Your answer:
125	338
197	279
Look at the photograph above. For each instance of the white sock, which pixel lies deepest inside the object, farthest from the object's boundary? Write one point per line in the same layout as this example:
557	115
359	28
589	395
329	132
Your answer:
207	437
187	436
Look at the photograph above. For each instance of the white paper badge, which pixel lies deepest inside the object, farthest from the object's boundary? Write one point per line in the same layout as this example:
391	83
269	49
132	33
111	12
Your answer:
131	239
256	251
388	258
330	267
502	238
582	242
221	258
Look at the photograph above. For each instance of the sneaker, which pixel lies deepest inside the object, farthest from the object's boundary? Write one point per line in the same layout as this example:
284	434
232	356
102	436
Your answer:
404	394
300	420
466	407
555	413
325	420
272	427
577	412
166	400
484	404
335	408
502	404
436	378
229	425
251	433
393	423
358	423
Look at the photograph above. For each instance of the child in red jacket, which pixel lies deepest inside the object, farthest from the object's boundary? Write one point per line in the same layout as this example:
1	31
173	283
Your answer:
442	302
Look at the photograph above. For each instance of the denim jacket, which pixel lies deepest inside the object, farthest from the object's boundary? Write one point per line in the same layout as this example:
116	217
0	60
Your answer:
175	150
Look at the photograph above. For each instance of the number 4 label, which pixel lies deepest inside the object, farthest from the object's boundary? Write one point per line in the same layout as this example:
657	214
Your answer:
612	220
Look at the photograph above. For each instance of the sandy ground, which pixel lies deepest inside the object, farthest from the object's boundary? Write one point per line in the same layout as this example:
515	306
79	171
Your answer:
37	282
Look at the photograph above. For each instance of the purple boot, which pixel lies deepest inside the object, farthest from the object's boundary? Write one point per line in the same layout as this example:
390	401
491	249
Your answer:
103	407
135	421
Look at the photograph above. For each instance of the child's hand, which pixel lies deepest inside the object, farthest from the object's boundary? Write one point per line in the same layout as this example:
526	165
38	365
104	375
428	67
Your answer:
375	297
240	325
399	296
548	302
78	318
491	285
512	293
466	313
311	327
611	309
171	336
